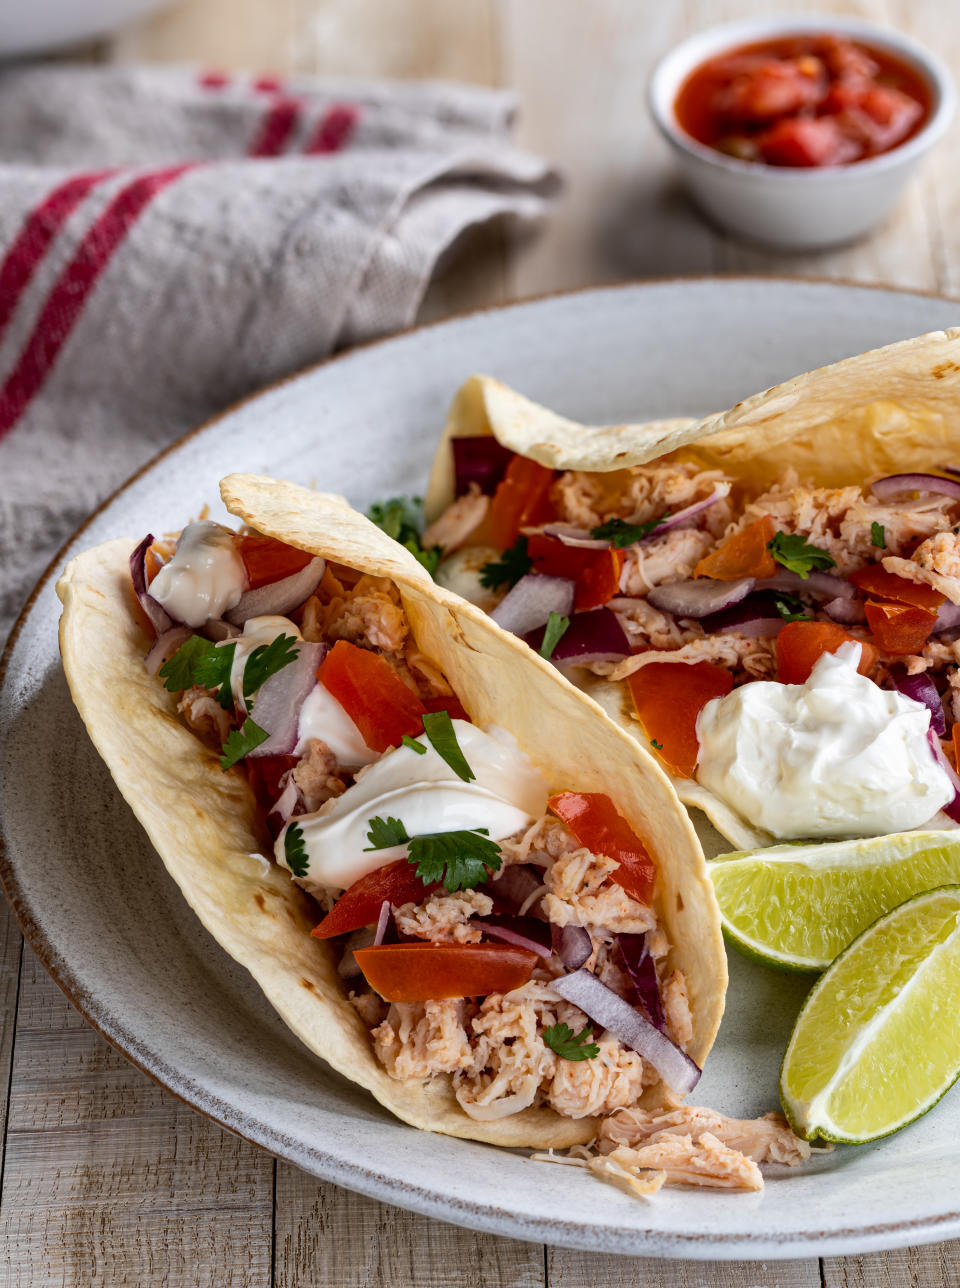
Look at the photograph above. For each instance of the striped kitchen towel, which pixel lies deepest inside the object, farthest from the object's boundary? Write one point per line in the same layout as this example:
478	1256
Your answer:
172	240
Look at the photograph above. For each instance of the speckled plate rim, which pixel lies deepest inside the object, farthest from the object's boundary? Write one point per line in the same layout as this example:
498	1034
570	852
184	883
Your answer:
327	1165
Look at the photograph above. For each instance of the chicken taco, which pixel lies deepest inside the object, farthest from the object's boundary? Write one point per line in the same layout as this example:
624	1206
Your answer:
768	598
453	876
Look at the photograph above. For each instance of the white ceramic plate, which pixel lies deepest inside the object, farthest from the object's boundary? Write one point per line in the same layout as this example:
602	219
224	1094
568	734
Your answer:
119	939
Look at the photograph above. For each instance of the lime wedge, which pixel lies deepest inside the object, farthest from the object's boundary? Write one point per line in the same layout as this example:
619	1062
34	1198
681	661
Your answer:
795	907
877	1042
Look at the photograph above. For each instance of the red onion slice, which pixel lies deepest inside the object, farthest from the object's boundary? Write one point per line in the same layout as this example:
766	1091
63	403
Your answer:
594	636
286	803
515	884
948	617
383	922
277	703
821	585
217	629
635	950
160	619
532	600
848	612
634	1030
524	932
689	512
699	597
923	690
165	647
572	944
481	460
570	535
896	484
755	616
277	598
952	808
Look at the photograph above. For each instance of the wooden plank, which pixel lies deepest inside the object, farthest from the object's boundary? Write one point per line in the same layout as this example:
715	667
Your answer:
11	954
232	35
108	1179
327	1237
566	1269
932	1266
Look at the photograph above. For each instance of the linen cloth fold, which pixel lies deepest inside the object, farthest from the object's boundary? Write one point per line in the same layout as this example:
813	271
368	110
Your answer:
171	240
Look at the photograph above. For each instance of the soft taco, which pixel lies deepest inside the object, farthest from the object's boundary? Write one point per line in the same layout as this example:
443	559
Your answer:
767	598
453	876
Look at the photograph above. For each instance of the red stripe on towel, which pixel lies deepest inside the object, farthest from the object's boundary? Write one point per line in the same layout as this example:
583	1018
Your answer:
213	80
33	240
276	128
72	289
334	130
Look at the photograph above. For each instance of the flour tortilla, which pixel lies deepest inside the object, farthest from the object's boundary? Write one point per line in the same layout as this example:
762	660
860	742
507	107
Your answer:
891	410
205	827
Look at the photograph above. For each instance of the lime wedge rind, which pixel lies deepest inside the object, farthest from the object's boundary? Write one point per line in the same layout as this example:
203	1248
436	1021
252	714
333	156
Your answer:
794	907
812	1119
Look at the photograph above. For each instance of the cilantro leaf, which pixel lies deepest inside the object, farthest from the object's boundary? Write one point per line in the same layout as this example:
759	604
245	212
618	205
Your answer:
241	742
878	535
401	518
438	727
458	860
295	850
267	660
621	534
384	833
790	608
657	745
569	1045
555	630
412	743
200	661
509	568
794	553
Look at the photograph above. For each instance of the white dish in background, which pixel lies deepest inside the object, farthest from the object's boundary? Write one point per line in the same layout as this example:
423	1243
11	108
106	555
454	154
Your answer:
791	207
29	26
119	938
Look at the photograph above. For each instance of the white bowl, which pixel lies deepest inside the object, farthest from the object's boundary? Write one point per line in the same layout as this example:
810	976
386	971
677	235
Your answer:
796	209
45	24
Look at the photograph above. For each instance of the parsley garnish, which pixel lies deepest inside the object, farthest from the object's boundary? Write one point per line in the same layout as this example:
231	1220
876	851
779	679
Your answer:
458	860
790	608
200	661
878	535
241	742
400	518
509	568
658	745
295	851
412	743
553	633
794	553
438	727
267	660
569	1045
621	534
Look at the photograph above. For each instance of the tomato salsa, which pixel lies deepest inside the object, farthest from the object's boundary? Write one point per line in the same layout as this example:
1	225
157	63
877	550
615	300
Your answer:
805	100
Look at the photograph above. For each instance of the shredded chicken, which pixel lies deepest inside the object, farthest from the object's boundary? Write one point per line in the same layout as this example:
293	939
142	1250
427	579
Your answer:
420	1039
510	1058
671	557
935	562
766	1140
453	528
580	893
586	1088
637	494
425	676
371	1008
676	1007
747	658
445	918
317	775
703	1162
205	716
369	614
647	628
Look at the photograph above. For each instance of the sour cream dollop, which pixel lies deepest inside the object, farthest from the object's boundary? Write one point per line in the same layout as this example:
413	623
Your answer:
425	794
205	578
835	757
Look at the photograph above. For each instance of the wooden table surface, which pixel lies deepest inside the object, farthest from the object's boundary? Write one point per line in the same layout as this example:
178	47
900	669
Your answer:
107	1179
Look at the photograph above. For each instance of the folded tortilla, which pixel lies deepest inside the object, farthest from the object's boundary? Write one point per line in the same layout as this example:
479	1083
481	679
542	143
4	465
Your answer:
888	411
205	825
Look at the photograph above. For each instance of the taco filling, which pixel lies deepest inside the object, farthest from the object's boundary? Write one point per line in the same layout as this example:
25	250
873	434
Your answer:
788	650
488	925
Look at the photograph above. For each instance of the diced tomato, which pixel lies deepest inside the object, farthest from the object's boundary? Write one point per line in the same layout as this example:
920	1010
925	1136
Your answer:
668	697
372	694
594	820
267	560
955	740
451	705
763	88
806	142
596	573
874	580
800	645
522	499
421	972
360	904
152	563
265	772
899	628
745	554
